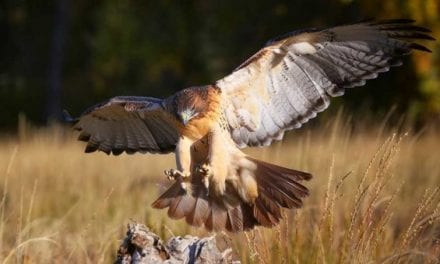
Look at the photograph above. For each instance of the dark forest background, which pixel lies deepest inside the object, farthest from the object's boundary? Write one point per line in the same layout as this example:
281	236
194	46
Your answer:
70	54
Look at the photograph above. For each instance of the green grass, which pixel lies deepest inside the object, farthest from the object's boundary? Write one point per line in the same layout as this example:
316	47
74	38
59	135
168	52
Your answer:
374	198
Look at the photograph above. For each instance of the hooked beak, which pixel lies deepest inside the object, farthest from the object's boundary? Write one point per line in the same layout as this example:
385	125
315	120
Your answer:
185	121
186	116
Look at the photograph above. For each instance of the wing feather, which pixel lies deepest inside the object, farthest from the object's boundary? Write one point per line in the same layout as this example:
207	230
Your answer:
293	77
130	124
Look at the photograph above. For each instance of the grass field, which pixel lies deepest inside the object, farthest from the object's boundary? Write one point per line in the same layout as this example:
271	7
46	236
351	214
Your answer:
374	198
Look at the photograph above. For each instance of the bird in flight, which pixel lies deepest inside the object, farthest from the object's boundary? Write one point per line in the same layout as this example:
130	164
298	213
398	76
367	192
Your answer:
282	86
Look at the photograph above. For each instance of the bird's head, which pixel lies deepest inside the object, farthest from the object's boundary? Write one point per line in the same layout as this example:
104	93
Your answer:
190	104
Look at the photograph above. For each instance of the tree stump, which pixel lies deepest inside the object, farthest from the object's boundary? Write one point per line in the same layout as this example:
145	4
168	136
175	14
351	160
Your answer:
142	246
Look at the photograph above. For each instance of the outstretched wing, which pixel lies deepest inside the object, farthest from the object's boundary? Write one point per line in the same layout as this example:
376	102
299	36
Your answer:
130	124
293	78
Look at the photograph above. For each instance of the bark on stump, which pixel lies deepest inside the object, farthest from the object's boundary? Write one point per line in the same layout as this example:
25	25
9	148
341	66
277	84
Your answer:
142	246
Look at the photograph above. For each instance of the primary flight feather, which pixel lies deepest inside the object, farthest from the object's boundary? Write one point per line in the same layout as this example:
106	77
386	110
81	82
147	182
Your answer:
281	87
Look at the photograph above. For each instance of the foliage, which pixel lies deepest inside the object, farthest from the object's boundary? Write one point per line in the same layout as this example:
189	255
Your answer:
158	47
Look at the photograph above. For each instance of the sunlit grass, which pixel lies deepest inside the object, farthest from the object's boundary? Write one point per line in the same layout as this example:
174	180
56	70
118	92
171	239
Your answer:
374	198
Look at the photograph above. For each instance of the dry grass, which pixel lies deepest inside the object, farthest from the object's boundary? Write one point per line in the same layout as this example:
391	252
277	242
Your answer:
374	198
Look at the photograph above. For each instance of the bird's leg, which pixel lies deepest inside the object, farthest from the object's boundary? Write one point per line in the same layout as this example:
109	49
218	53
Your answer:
205	171
216	170
183	162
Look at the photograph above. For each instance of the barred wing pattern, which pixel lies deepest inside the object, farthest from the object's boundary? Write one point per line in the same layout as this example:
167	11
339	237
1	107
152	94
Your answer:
128	123
293	78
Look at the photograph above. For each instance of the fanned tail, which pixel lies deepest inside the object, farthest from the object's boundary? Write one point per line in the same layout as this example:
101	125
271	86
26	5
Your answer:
278	188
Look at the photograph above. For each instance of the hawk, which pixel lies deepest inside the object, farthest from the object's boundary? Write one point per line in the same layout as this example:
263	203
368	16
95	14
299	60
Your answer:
284	85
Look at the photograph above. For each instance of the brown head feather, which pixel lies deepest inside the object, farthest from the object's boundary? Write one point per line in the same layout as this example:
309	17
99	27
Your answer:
195	98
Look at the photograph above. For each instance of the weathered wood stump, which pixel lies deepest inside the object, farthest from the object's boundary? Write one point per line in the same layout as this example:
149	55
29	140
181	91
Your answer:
142	246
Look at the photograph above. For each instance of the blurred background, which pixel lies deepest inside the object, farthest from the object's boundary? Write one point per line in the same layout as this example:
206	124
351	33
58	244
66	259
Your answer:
65	54
375	195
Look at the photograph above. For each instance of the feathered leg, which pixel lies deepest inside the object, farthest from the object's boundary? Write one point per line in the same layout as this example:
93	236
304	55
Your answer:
216	170
183	162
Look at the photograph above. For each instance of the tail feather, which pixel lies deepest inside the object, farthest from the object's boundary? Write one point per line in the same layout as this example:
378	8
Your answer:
278	188
262	214
235	219
277	192
168	196
217	218
241	218
181	206
286	173
270	204
288	186
199	213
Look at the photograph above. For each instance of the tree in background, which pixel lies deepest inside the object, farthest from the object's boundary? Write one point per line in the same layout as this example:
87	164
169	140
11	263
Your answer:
427	66
155	48
53	104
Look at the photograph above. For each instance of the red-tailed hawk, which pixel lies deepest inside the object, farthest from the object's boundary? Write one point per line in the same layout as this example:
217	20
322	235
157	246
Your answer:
281	87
